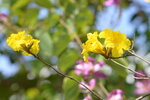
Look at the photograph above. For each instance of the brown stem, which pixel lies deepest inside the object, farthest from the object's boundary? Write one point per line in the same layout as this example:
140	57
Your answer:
64	75
142	78
141	97
130	69
133	53
27	49
120	56
104	90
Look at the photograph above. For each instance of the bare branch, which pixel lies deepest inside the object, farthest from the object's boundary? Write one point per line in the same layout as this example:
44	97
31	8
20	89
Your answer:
133	53
141	78
145	76
64	75
141	97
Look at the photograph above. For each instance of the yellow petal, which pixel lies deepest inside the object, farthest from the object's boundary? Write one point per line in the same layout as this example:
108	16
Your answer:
116	41
117	52
92	45
15	41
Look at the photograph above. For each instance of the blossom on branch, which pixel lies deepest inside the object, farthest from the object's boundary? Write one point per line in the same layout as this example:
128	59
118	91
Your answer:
90	68
24	43
115	43
92	45
142	86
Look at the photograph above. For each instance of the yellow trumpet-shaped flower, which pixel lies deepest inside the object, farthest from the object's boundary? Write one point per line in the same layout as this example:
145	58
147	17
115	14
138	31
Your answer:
92	45
115	41
22	42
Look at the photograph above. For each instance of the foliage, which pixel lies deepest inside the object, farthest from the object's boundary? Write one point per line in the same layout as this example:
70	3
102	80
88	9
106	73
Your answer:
61	26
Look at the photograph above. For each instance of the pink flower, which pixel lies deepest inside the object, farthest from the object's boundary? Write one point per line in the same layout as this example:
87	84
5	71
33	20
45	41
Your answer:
83	69
142	72
111	2
142	87
3	17
88	98
91	85
89	68
115	95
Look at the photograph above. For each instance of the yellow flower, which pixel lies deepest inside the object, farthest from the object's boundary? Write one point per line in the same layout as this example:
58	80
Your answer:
147	1
92	45
22	42
115	42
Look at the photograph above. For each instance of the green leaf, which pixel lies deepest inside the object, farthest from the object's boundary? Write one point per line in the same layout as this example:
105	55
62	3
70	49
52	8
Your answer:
52	19
27	17
139	65
36	66
43	3
61	41
118	69
70	87
20	4
46	45
83	20
30	17
67	59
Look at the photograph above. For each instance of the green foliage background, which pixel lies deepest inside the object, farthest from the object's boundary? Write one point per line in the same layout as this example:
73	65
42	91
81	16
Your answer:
67	22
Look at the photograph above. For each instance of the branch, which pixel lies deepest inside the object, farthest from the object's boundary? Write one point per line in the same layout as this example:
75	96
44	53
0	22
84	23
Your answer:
27	49
64	75
120	56
133	53
141	97
104	90
141	78
145	76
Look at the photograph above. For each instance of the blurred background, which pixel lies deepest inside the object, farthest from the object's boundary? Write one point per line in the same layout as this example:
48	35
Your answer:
61	26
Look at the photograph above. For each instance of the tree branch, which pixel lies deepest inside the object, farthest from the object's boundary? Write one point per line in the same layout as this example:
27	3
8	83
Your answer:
133	53
141	97
64	75
145	76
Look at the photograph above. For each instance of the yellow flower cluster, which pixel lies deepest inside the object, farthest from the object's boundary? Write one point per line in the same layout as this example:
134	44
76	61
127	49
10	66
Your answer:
22	42
147	1
114	44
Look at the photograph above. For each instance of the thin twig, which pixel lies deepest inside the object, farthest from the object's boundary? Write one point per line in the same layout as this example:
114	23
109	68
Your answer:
132	46
64	75
104	90
133	53
141	97
27	49
130	69
120	56
141	78
71	31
